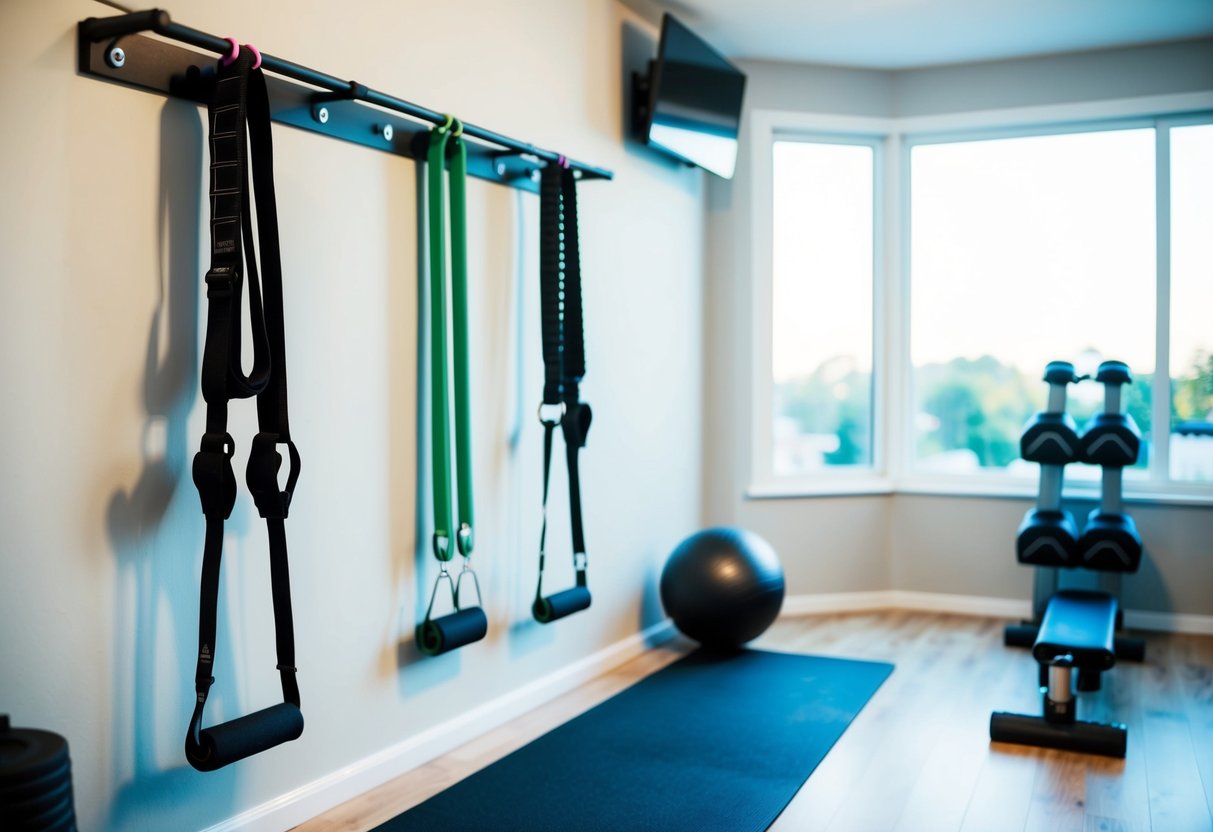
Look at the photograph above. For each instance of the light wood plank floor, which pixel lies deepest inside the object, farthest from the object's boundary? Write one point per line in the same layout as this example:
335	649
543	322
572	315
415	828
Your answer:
919	757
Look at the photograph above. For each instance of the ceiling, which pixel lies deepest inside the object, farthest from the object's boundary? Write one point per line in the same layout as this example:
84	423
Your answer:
903	34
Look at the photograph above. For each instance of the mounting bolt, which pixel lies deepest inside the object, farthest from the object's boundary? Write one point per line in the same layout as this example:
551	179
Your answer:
116	57
384	130
321	114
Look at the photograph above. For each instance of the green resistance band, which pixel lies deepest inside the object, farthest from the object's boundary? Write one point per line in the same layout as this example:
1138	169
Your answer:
468	624
440	394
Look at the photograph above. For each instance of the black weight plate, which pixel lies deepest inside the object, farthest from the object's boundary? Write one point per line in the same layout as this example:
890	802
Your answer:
38	805
26	753
32	788
61	817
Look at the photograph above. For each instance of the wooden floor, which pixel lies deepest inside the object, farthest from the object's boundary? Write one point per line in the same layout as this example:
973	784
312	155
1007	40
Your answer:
919	757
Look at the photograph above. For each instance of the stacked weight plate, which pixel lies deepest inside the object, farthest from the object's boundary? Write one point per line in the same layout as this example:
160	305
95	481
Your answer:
35	781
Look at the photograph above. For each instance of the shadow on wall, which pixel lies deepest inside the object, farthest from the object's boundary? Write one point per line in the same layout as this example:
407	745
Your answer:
1144	590
651	610
156	532
424	672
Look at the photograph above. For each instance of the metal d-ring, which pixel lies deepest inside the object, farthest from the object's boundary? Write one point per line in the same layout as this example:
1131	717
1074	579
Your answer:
467	570
434	594
557	421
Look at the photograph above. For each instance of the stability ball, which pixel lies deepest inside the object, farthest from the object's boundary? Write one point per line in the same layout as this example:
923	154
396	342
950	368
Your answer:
722	587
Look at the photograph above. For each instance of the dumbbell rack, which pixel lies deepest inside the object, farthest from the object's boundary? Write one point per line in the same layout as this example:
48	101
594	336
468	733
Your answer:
1048	538
1075	630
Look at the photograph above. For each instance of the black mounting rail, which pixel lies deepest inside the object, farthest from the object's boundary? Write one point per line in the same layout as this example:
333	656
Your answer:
112	48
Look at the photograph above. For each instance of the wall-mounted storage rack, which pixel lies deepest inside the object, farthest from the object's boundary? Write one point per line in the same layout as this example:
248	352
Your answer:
113	48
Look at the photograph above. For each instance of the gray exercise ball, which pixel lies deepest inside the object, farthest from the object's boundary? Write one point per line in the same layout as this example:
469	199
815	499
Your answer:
722	587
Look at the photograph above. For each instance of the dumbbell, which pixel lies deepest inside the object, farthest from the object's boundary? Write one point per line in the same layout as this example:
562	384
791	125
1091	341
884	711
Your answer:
1112	440
1048	535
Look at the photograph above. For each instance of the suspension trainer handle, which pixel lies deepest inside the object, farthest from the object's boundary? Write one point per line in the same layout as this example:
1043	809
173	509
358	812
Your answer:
208	749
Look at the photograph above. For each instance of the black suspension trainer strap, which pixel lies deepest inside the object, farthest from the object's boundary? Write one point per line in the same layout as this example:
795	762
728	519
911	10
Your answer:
239	117
564	368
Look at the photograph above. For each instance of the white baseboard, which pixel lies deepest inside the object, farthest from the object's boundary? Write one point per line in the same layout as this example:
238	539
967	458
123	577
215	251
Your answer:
1169	622
897	599
311	799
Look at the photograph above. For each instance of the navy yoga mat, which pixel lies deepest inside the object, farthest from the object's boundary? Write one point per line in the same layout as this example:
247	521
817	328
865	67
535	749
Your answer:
712	742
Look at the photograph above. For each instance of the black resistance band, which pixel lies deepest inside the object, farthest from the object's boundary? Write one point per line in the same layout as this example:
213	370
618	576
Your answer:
239	115
564	367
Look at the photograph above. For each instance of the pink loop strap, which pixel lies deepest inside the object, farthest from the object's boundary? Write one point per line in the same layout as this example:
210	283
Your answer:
256	55
231	56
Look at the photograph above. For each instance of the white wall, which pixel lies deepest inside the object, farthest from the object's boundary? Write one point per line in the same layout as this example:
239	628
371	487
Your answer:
912	542
100	313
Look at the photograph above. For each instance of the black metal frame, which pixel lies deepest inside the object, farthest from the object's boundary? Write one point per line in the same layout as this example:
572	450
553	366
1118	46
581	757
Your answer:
112	49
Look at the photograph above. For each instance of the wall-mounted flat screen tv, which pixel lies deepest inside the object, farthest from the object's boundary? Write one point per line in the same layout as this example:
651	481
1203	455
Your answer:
692	105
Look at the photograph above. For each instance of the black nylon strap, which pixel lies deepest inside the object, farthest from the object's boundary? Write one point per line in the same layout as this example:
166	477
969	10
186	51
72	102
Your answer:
239	117
574	335
222	375
551	277
563	347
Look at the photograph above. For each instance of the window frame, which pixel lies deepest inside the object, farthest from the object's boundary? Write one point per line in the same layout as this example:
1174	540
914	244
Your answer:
767	128
892	441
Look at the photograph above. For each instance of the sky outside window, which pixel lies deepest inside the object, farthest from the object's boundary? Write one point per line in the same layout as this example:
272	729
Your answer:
822	304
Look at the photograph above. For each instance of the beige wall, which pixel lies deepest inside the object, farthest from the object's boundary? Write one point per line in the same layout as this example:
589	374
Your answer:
100	313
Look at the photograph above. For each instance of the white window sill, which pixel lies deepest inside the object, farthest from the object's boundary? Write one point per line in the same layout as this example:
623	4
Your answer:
824	486
982	487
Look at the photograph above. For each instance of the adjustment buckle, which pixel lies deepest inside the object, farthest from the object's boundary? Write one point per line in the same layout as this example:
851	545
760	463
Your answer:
264	461
465	540
442	549
213	474
202	687
576	424
221	282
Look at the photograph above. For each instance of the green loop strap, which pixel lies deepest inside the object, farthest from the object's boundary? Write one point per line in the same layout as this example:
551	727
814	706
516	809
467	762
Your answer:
459	326
440	461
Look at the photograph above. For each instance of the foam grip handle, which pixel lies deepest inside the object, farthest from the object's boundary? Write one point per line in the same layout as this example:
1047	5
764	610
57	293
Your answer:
436	636
245	736
561	604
